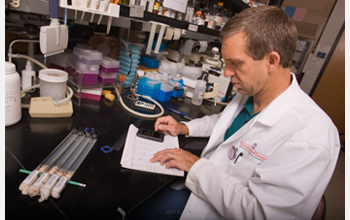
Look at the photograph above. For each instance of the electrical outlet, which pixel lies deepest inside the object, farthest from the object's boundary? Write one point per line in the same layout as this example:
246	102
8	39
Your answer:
15	3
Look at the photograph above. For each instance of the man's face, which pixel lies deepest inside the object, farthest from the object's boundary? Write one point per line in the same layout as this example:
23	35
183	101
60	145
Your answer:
247	75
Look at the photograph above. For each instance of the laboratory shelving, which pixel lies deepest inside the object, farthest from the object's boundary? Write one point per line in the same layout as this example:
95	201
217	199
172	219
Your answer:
124	20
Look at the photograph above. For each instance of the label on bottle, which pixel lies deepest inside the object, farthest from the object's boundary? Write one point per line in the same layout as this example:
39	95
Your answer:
218	20
200	95
210	24
216	57
200	21
11	100
189	14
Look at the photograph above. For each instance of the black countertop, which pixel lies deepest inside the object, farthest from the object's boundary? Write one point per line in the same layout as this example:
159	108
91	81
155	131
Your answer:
109	186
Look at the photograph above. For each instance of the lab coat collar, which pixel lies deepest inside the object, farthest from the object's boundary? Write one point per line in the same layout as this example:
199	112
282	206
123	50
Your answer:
269	116
277	108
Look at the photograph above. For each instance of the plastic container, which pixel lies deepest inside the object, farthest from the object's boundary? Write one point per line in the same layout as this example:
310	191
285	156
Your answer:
214	54
149	62
164	68
28	76
109	65
85	74
87	56
53	83
107	77
13	110
199	91
165	92
93	94
177	92
149	87
191	72
61	61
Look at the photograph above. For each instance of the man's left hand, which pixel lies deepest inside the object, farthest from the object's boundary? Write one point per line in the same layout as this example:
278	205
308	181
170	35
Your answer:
181	159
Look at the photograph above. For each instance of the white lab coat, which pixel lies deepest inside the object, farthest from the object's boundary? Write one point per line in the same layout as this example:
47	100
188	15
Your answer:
289	152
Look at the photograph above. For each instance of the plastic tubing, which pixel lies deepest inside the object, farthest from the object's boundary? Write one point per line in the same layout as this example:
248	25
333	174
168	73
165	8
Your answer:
29	58
67	99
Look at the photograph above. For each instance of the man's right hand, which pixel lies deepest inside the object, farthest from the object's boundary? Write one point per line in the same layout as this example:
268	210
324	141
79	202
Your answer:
168	125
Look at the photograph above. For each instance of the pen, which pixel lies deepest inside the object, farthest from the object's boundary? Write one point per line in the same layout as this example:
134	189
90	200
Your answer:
69	181
179	113
239	155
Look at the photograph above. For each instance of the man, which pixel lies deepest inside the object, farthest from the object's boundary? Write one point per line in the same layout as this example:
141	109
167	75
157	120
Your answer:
272	151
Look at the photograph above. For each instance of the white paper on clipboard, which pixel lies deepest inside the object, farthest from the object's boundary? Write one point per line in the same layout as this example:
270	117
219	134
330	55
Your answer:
138	152
177	5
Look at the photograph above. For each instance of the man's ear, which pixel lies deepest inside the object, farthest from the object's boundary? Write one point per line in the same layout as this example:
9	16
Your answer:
273	60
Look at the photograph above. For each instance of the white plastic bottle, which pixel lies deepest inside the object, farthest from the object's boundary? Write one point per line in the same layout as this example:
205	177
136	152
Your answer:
13	110
28	76
199	91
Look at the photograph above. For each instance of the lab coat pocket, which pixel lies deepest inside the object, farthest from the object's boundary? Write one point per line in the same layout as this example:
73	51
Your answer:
243	169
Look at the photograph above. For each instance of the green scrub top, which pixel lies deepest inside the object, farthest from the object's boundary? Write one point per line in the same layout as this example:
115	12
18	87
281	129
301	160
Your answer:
243	117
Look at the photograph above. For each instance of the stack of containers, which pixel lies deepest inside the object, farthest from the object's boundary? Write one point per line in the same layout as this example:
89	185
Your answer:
87	64
108	70
148	87
127	64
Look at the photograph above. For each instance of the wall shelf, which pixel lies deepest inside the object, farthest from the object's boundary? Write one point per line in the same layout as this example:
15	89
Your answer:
42	7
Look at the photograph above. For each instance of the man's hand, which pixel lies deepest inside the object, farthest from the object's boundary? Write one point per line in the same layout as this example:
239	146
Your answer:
168	125
181	159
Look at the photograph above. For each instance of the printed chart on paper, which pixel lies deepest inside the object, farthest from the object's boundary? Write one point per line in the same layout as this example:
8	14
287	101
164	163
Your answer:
138	152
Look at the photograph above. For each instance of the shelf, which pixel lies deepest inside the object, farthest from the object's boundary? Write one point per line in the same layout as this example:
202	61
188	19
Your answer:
203	33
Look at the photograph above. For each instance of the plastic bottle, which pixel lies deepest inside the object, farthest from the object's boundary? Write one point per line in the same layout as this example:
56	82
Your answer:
227	15
13	110
214	54
210	19
205	12
199	91
200	18
189	12
160	8
219	16
28	76
155	8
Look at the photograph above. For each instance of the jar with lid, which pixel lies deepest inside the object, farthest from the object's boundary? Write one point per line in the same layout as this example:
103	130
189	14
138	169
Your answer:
13	110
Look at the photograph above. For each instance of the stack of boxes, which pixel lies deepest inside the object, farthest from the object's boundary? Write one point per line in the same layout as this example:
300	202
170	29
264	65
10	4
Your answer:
128	64
87	65
158	90
108	70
